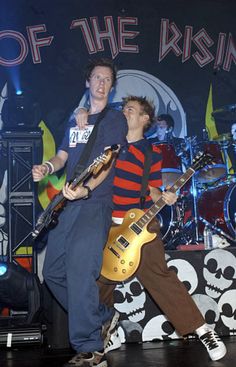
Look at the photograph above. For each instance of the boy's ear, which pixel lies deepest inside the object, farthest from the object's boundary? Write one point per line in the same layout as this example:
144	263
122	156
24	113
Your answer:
146	118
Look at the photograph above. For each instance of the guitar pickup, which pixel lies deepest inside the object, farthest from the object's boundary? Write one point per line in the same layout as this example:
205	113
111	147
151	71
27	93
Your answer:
136	228
114	252
123	241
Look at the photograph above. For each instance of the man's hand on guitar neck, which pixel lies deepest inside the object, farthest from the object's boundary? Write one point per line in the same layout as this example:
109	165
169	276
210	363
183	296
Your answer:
79	192
169	198
82	192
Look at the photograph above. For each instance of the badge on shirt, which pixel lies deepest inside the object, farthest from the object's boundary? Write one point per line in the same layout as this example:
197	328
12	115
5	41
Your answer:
78	136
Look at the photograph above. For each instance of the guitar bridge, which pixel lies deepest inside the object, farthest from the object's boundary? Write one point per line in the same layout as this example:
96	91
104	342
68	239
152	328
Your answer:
114	252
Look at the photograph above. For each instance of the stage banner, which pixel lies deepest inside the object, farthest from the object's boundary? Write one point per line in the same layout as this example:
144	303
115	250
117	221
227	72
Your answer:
179	54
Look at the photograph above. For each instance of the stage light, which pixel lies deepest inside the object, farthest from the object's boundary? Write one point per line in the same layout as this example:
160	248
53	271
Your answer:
19	110
3	269
19	290
13	289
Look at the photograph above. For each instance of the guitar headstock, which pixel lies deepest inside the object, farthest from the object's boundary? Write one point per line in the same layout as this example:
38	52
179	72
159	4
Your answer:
103	159
201	160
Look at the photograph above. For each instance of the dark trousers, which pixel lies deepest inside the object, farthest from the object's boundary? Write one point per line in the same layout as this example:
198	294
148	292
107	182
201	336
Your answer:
168	292
72	265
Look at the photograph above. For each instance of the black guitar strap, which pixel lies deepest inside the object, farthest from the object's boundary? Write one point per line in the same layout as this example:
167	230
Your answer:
82	162
146	170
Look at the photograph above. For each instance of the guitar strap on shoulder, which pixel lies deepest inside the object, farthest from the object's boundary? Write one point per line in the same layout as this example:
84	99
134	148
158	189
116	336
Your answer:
82	162
146	170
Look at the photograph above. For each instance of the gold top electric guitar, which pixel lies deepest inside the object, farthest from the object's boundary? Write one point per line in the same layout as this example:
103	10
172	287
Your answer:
122	252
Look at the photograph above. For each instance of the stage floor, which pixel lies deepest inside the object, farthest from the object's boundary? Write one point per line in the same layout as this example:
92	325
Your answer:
174	353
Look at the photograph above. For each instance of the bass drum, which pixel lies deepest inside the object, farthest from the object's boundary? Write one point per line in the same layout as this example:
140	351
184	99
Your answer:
166	218
218	207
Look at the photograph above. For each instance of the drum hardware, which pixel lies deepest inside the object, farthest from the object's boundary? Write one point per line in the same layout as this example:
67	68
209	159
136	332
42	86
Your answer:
194	196
205	136
182	235
171	220
224	144
171	217
176	230
199	186
225	113
182	152
216	206
176	225
223	138
166	218
227	180
186	232
216	229
217	170
179	236
171	164
230	179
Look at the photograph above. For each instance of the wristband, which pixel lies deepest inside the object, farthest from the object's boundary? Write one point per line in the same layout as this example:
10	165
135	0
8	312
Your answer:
89	194
50	167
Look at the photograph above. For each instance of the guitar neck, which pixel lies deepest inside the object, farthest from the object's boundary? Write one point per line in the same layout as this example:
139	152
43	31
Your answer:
81	178
59	199
58	202
156	207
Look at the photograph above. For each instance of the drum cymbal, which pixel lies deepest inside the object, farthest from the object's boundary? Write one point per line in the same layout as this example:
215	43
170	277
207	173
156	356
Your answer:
226	113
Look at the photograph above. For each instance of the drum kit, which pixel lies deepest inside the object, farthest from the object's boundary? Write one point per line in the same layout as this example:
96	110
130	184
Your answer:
209	198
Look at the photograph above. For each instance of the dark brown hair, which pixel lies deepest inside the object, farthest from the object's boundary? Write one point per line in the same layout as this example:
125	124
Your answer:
167	118
147	107
101	62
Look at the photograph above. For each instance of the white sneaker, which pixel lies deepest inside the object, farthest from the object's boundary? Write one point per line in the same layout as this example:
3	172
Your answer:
95	359
113	343
214	345
109	328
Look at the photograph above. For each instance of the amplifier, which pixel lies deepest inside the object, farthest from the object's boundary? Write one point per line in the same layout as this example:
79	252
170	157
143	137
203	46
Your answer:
20	336
21	133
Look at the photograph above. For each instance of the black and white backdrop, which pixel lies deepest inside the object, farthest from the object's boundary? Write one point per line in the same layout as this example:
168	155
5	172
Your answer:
210	277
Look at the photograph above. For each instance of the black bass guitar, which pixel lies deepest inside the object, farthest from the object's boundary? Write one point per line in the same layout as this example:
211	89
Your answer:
49	217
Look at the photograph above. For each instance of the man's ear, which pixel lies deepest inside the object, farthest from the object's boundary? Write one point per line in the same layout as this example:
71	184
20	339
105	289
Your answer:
145	119
87	84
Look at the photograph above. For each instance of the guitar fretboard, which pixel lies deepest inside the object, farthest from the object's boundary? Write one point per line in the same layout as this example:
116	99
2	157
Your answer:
156	207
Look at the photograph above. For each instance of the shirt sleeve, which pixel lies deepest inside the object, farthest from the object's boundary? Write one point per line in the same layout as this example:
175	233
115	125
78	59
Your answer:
65	141
117	131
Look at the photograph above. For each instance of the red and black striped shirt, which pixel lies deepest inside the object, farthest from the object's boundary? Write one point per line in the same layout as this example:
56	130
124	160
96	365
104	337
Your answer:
128	176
